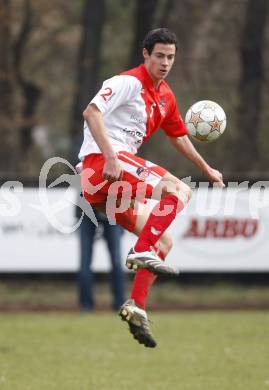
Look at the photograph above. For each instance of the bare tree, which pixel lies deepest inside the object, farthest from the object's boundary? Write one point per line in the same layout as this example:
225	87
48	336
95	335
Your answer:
166	11
89	62
6	105
31	93
204	37
144	19
252	80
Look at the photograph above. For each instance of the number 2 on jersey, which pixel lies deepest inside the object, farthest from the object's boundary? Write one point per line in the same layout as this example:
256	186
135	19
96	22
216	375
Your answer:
105	95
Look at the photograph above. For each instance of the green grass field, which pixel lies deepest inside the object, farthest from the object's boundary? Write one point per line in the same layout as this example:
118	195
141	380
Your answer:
196	350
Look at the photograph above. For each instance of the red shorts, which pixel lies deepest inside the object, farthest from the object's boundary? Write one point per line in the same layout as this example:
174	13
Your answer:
139	179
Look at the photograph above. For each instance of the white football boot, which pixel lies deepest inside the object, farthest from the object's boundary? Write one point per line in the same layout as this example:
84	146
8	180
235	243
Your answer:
148	260
138	323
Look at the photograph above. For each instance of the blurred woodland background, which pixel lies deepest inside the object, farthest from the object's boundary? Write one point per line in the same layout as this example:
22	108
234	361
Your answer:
54	56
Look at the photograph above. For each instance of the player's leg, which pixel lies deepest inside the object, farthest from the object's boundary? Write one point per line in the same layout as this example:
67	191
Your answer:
146	179
137	172
144	278
173	195
133	310
134	221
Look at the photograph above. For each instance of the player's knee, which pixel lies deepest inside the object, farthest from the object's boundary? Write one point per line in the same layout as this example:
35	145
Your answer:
180	189
183	192
186	192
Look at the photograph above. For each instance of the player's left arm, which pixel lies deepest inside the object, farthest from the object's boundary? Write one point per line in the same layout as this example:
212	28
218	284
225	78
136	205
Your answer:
185	147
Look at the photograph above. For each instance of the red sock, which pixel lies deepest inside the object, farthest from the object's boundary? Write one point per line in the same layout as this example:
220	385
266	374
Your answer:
157	224
142	283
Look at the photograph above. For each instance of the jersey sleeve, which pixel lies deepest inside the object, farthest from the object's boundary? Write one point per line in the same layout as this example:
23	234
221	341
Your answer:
173	124
116	91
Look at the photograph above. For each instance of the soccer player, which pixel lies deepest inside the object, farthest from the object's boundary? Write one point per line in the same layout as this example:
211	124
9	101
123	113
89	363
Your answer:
127	110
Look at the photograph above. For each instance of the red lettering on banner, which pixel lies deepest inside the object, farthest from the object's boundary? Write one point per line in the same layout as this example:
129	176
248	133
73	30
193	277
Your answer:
222	228
107	94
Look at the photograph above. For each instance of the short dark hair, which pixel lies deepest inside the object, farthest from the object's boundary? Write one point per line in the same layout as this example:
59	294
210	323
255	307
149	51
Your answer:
159	35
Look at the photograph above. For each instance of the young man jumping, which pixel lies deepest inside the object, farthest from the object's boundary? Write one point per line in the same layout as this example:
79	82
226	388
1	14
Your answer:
127	110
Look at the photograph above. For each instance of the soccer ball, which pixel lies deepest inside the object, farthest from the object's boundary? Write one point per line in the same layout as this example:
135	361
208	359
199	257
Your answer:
205	120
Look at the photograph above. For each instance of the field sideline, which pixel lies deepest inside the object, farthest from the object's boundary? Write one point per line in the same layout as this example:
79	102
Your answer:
196	350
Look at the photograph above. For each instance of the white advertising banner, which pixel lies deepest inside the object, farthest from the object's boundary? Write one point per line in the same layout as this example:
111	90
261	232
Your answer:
220	230
30	241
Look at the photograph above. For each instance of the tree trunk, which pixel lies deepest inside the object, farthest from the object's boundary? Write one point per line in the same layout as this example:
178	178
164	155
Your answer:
168	7
89	62
252	80
6	104
31	92
144	19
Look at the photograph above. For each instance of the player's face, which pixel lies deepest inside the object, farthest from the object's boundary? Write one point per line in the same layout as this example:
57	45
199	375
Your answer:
160	61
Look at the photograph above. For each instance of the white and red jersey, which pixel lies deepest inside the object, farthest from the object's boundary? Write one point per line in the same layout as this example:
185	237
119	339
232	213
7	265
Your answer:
133	109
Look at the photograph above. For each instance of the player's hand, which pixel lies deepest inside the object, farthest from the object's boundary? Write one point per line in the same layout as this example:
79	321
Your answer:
112	169
215	177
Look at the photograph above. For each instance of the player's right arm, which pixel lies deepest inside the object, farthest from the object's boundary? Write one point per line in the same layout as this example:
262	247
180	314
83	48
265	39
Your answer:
112	169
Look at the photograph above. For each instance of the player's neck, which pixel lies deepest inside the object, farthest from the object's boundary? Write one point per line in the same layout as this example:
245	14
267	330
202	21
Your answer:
156	82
